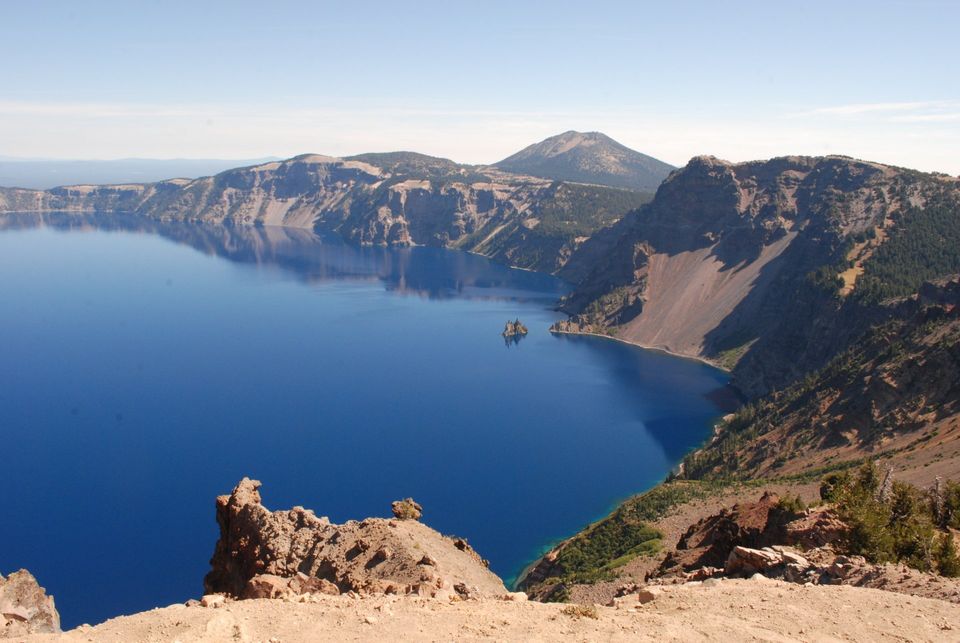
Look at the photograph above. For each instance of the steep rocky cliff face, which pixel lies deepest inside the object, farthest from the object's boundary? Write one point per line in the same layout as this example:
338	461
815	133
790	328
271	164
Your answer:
588	157
894	394
756	266
378	199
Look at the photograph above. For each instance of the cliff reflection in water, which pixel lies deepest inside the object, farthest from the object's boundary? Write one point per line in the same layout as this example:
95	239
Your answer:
434	273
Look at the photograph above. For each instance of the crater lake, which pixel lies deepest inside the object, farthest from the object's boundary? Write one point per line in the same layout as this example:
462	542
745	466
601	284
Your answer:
146	367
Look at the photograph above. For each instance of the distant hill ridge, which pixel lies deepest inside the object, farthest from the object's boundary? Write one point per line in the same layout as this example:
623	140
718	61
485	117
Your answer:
393	198
43	174
588	157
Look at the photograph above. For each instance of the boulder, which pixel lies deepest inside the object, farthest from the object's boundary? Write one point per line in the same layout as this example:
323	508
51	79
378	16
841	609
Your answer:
747	561
518	597
25	607
794	573
648	594
817	528
624	602
843	566
793	558
640	596
382	554
303	584
266	586
213	600
704	573
626	589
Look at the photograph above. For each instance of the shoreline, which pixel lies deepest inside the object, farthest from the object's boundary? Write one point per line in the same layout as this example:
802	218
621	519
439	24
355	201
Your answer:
514	581
657	349
556	543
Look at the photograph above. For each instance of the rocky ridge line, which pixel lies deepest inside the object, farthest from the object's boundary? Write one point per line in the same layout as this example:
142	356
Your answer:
265	554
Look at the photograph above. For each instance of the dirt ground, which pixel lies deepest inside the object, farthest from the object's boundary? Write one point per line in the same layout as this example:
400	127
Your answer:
720	610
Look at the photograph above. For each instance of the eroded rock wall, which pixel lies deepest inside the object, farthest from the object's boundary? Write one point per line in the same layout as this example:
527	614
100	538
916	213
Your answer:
375	555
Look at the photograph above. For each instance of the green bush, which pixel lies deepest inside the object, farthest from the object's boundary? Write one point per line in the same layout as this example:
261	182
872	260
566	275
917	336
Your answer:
791	505
897	524
949	562
951	505
625	534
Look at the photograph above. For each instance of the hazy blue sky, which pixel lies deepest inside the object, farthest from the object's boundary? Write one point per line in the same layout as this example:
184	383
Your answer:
475	81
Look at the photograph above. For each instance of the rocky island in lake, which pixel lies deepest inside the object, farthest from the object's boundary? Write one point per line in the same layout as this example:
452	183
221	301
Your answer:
514	329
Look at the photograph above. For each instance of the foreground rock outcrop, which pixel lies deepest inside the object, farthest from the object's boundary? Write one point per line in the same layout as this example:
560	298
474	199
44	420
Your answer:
767	538
756	525
25	607
291	576
264	554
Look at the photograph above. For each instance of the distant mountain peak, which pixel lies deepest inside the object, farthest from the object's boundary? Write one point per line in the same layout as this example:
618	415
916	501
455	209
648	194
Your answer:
588	157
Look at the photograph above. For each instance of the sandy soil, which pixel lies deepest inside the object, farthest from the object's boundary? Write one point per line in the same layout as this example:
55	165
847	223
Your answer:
725	610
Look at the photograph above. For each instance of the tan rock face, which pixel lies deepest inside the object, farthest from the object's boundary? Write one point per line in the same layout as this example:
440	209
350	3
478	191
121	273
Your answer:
25	607
716	265
385	200
269	554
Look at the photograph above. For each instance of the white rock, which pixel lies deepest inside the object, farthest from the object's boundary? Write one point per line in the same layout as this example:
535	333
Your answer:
622	602
213	600
791	558
515	596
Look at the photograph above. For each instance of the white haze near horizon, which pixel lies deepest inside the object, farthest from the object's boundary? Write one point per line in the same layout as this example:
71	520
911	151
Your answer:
475	82
921	135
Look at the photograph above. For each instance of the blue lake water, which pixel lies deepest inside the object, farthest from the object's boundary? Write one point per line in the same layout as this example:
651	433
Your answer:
146	367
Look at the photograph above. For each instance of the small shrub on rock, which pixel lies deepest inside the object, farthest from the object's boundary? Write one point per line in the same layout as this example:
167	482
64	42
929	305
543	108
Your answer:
581	611
407	509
